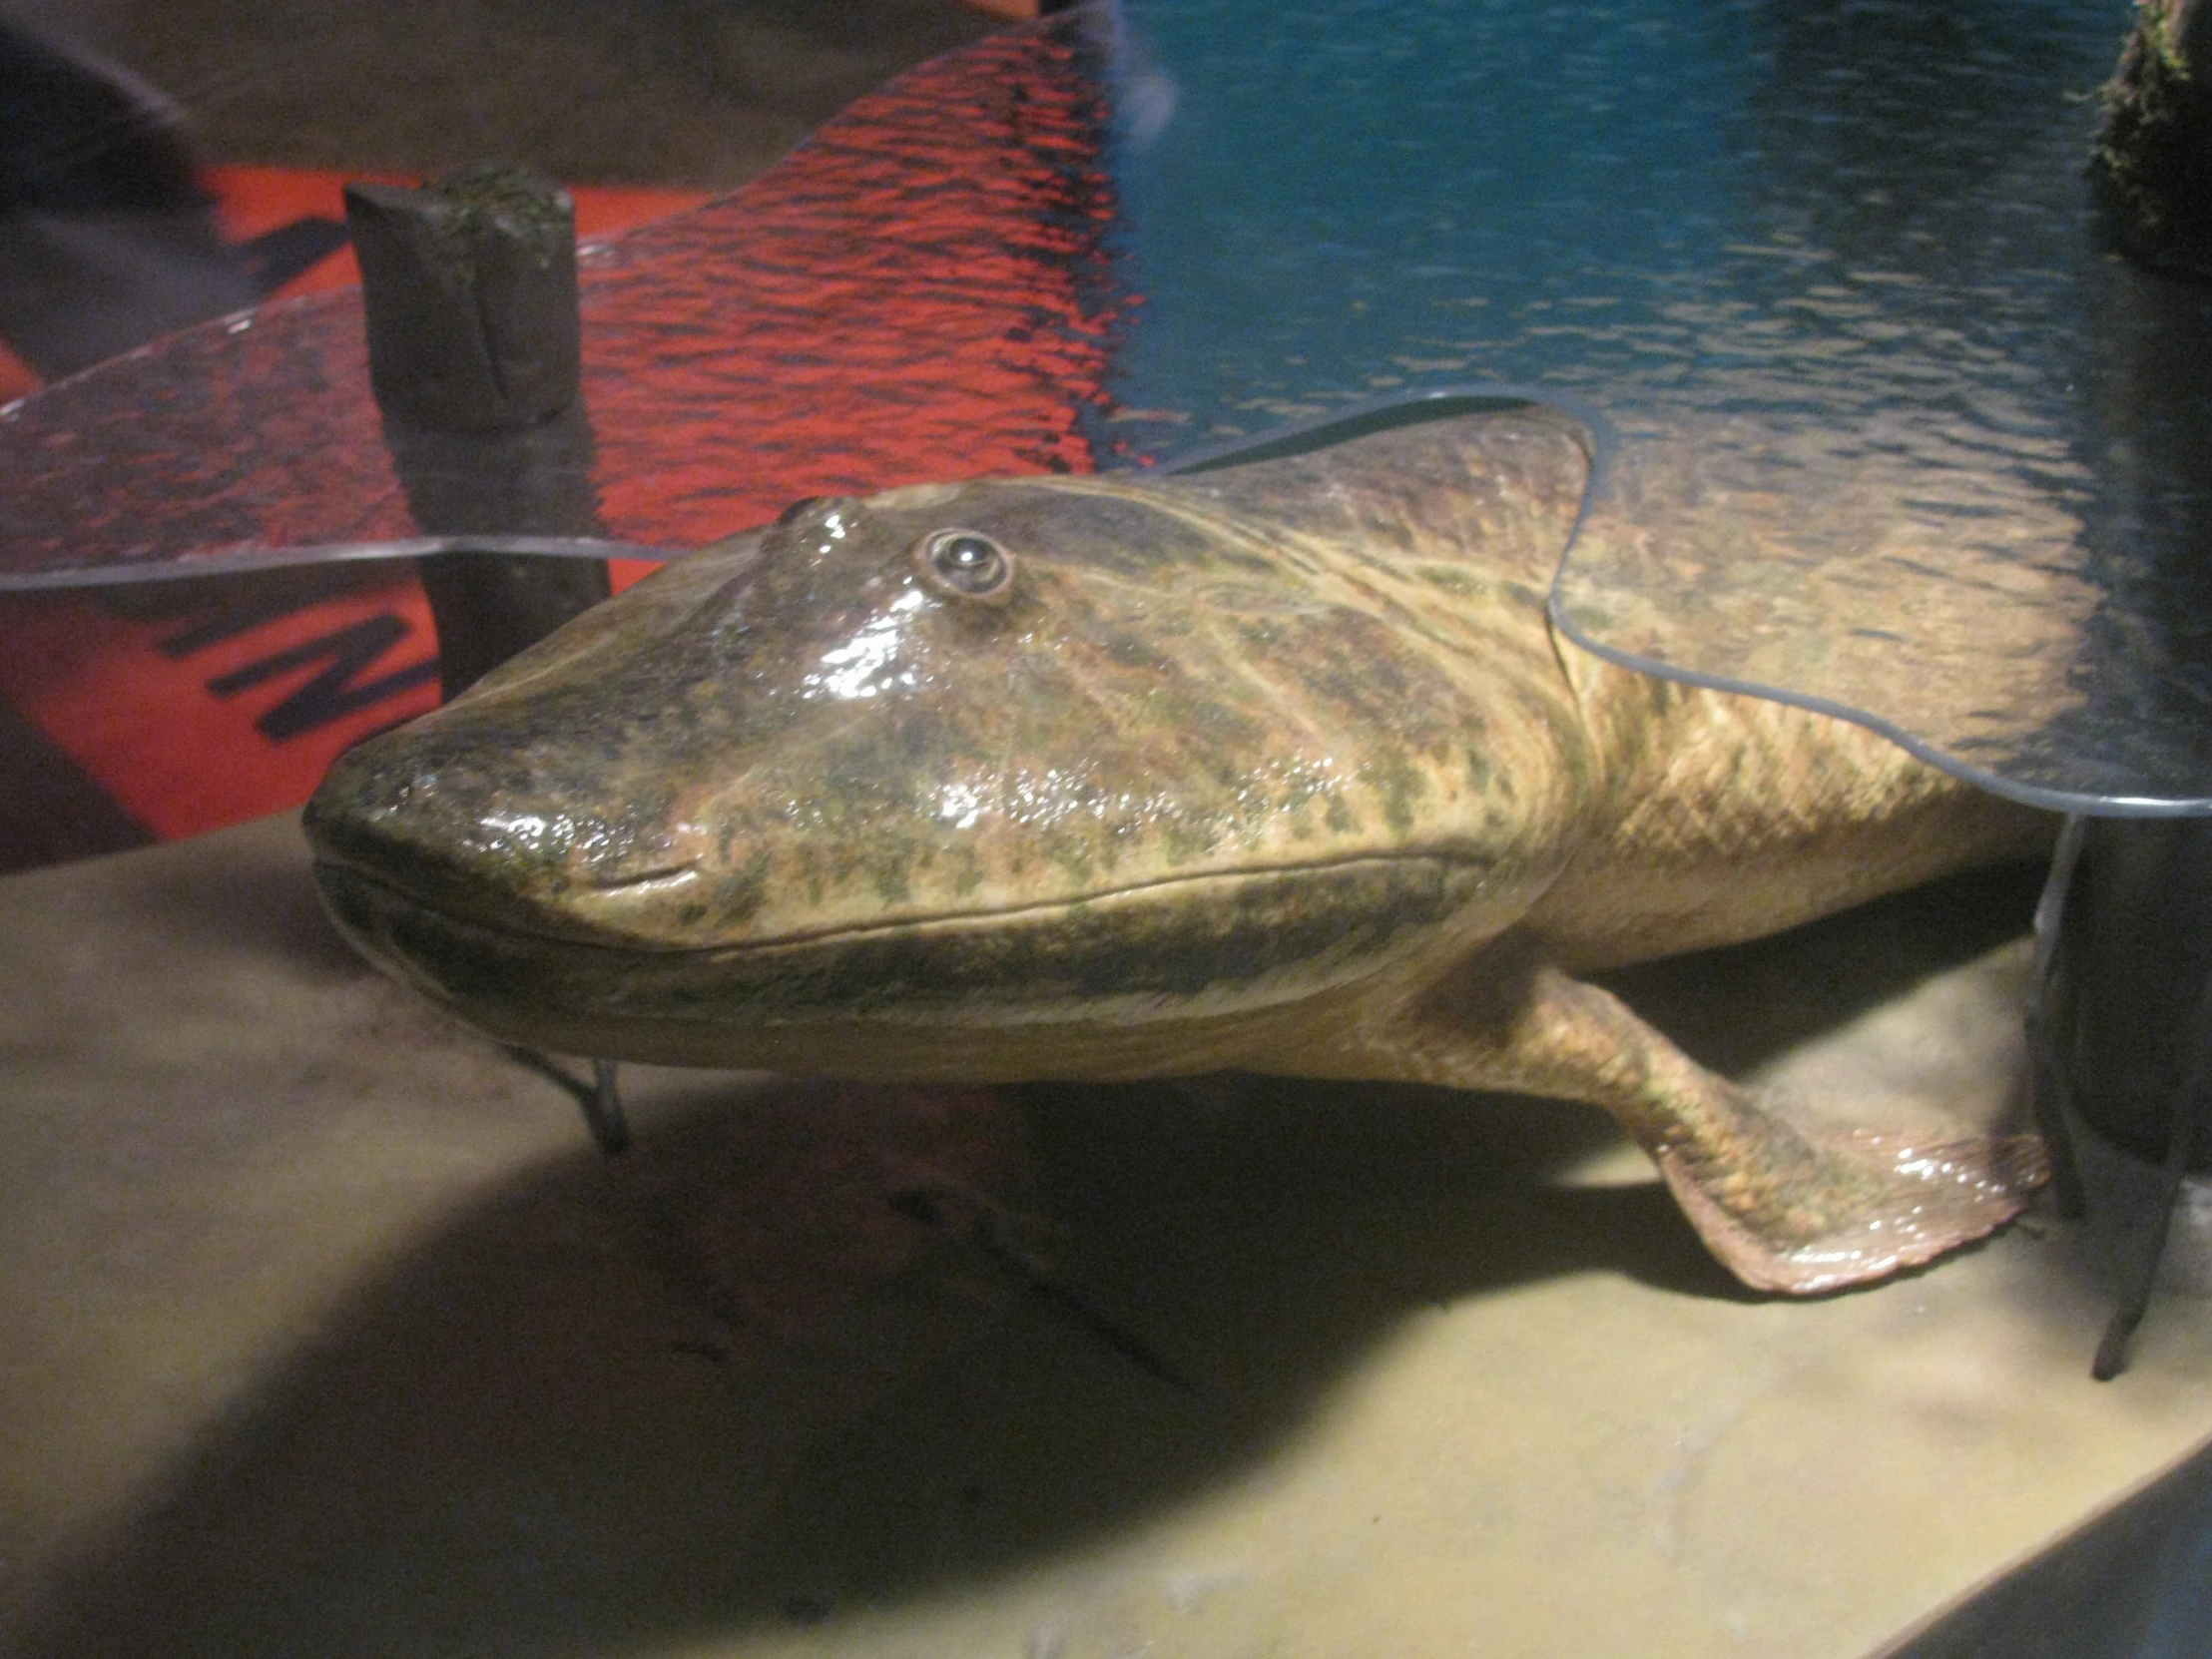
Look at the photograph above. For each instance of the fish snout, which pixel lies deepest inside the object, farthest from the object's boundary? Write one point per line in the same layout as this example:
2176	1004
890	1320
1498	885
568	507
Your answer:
479	832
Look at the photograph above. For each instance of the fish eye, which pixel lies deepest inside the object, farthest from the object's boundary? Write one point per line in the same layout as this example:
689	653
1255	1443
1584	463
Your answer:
965	564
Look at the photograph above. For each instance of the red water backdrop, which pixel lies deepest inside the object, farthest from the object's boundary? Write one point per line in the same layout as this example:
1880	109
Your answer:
924	289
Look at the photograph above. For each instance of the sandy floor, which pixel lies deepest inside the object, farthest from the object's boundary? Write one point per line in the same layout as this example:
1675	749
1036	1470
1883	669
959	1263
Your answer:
329	1334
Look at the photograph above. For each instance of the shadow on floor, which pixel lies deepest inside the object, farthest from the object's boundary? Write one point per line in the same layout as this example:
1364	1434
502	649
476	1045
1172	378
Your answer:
727	1383
734	1381
2135	1583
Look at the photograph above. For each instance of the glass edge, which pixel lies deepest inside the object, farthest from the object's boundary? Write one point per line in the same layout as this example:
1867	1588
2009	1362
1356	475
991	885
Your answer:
255	560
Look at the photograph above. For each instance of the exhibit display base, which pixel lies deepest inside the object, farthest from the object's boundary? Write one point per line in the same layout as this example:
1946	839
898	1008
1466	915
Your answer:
329	1332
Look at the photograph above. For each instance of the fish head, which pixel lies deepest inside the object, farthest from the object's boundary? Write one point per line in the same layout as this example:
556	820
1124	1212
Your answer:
1012	752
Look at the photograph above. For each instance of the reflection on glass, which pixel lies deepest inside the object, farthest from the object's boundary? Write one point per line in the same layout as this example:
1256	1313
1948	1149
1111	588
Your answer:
1897	433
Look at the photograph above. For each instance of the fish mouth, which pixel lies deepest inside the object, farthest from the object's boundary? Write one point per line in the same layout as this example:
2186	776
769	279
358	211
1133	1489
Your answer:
661	877
1172	948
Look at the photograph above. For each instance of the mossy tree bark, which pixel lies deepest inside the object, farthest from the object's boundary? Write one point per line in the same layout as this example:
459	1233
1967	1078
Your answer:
2153	156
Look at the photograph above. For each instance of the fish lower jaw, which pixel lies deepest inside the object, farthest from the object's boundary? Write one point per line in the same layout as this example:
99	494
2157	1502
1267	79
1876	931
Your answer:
1129	989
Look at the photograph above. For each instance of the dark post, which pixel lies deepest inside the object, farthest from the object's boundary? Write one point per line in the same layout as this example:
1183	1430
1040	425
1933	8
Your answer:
2131	1034
476	354
475	351
2141	911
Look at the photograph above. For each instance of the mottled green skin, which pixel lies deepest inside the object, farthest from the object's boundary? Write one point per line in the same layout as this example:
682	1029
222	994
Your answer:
1232	738
1277	768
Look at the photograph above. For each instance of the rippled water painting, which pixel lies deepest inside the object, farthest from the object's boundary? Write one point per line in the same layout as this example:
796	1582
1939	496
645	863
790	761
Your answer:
1897	430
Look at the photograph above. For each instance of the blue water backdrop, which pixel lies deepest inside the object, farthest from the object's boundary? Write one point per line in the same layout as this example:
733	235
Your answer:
1851	238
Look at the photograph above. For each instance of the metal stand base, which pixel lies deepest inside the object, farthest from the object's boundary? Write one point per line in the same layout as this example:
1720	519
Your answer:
600	1098
2119	1021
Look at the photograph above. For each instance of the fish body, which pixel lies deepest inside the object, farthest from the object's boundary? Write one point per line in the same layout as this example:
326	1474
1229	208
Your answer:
1279	767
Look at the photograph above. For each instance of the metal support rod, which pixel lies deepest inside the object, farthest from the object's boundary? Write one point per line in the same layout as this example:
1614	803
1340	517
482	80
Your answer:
2192	1107
2045	994
600	1099
603	1113
2119	1025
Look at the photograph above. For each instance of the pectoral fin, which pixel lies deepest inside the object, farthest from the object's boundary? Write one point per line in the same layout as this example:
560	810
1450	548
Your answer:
1785	1206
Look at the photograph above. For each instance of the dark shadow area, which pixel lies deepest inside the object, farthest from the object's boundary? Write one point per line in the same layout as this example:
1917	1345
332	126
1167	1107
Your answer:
2146	434
1895	134
253	904
1737	1008
105	238
52	809
727	1382
670	92
2135	1583
737	1379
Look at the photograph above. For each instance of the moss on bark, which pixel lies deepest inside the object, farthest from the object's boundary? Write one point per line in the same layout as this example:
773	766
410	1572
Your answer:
2153	153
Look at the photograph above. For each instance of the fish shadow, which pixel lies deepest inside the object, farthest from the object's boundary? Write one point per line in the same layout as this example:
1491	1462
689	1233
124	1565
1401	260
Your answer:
734	1385
740	1382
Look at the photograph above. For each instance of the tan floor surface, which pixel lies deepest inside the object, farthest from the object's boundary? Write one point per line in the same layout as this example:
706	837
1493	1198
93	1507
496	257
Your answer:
327	1334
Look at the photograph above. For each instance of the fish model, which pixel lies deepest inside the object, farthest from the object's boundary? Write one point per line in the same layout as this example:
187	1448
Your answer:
1279	767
